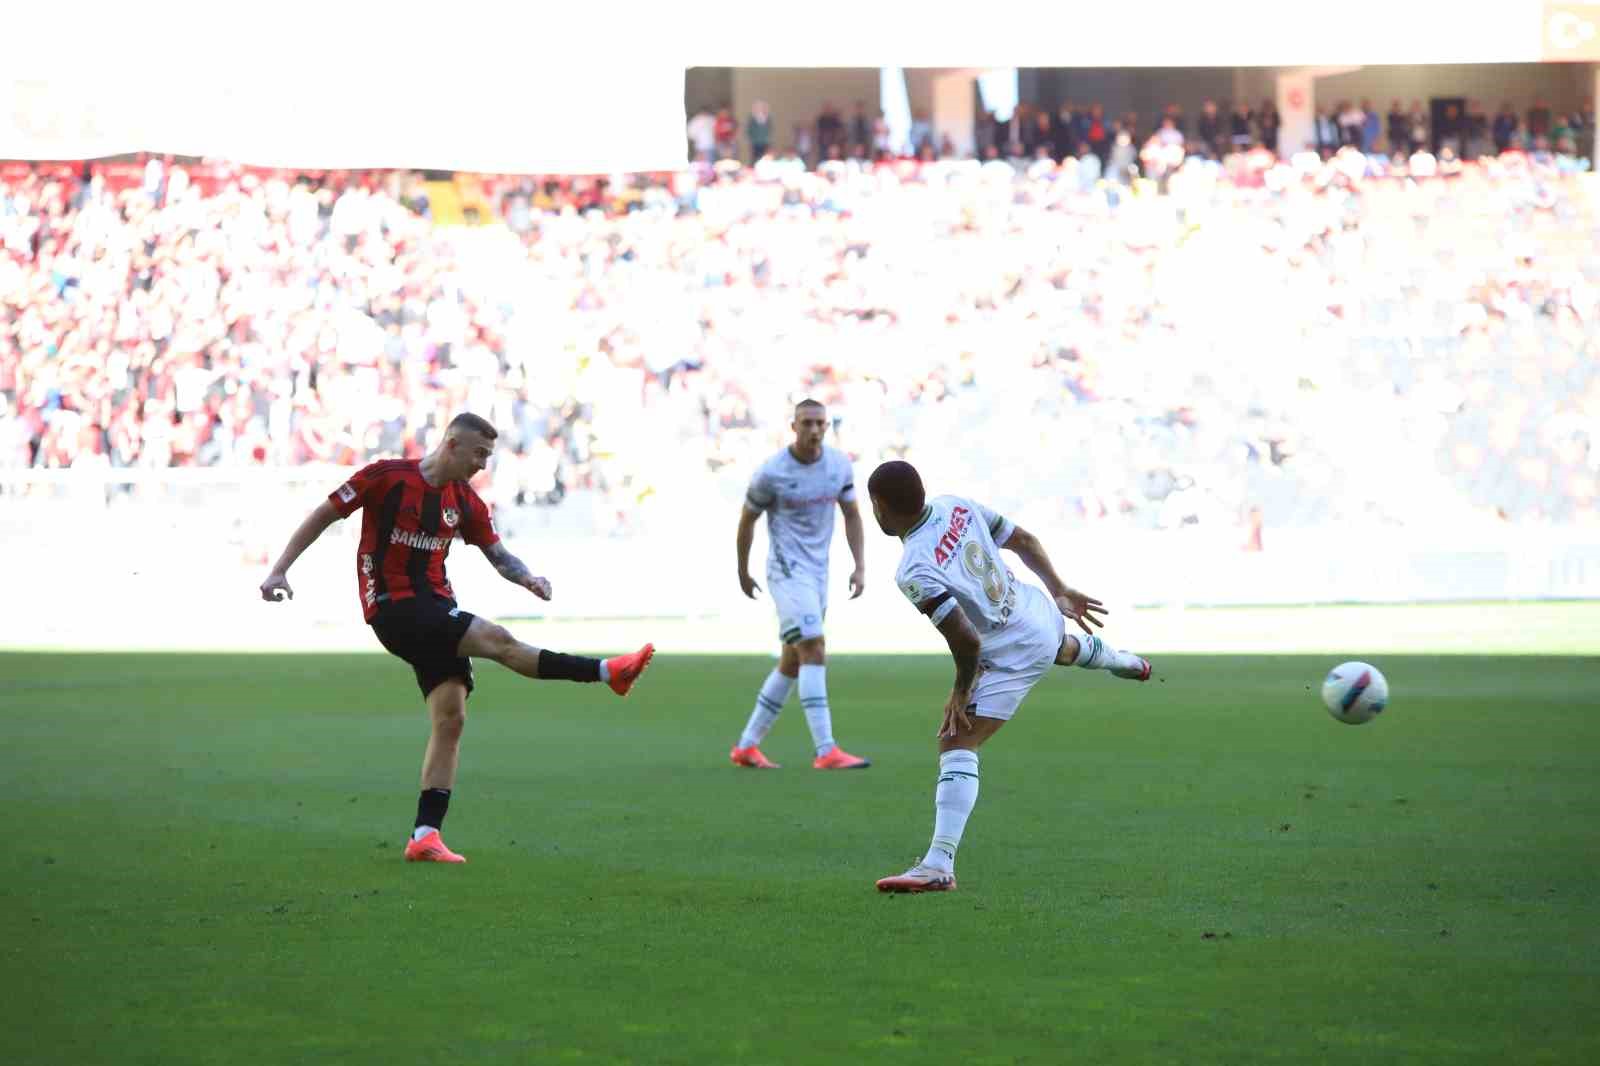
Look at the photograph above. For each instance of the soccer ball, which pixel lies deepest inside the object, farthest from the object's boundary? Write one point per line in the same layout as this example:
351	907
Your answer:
1355	693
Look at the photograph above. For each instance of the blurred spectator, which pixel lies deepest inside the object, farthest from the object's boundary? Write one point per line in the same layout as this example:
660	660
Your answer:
1505	127
1371	126
1475	131
154	178
702	130
1040	135
1328	135
830	131
1584	121
1097	134
860	125
726	133
1065	128
1088	168
804	143
1239	123
1352	125
1448	134
881	148
1120	168
921	131
758	130
1418	121
1174	112
1562	131
1539	116
1268	123
1208	129
1163	153
1398	129
987	135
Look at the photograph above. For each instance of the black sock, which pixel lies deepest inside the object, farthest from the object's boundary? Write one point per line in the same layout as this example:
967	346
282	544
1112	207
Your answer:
431	807
554	666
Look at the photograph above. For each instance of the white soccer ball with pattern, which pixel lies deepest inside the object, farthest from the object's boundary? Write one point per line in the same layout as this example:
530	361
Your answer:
1355	693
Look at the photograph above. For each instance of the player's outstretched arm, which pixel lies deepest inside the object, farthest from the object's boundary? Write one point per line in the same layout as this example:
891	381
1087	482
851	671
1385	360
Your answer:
746	537
1081	608
276	586
515	570
964	643
855	537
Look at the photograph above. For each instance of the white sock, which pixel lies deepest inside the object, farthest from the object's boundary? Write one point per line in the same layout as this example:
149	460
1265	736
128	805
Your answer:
953	800
422	830
1096	654
769	701
605	672
814	699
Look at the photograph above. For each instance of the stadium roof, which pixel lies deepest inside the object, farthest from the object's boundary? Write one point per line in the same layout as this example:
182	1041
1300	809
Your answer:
516	87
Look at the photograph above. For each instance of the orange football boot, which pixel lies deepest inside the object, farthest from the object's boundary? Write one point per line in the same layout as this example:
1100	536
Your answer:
431	849
752	758
836	758
625	669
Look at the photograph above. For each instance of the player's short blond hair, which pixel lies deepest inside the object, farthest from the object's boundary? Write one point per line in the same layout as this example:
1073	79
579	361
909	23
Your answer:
467	421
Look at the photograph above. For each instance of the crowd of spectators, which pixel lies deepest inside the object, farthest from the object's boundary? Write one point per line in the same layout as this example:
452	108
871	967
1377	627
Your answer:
1465	130
1224	343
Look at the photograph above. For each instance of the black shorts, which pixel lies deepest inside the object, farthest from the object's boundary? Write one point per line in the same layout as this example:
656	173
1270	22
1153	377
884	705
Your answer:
425	631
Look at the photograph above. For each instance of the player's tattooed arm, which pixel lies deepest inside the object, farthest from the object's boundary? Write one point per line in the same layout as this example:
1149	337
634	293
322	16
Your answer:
964	643
515	570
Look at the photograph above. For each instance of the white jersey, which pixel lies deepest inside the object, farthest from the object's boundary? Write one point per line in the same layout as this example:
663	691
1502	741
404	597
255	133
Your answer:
799	500
952	559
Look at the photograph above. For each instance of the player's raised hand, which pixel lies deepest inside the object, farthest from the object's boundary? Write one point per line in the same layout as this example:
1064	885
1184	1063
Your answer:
539	586
858	583
276	588
749	585
956	719
1082	609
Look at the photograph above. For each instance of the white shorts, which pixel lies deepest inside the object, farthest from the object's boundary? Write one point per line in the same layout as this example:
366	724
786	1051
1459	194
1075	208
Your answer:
802	603
1009	667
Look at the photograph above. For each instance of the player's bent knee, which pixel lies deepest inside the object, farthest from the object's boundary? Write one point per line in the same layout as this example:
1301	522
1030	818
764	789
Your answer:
447	707
451	722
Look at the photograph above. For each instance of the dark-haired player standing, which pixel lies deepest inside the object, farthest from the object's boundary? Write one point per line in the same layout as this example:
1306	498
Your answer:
1003	634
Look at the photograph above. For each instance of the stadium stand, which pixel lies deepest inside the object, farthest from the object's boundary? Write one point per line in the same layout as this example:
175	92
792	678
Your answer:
1248	341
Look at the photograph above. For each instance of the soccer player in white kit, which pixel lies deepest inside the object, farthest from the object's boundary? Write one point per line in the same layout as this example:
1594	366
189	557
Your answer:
1004	635
797	490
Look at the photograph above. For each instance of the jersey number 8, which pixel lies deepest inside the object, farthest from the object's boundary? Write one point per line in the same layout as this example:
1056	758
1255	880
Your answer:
980	566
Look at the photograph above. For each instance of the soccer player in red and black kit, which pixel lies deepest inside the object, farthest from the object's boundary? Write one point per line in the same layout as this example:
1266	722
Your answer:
412	509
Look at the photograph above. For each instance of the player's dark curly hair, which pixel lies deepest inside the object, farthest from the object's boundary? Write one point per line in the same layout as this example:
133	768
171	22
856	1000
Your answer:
898	486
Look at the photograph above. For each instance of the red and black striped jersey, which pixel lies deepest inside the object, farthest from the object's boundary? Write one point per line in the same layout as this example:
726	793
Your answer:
406	529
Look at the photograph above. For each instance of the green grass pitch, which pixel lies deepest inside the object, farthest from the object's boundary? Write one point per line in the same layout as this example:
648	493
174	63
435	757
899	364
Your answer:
204	867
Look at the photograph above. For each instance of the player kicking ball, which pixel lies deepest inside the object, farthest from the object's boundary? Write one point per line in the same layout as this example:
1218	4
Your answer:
411	512
1003	634
797	490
